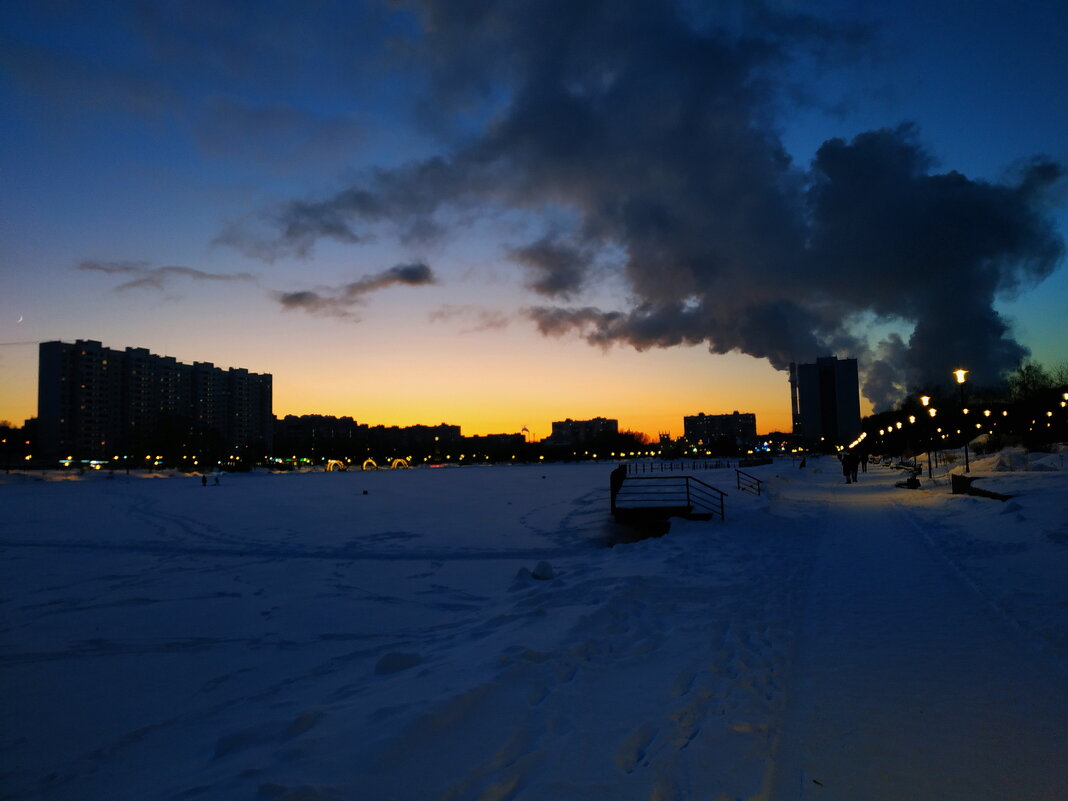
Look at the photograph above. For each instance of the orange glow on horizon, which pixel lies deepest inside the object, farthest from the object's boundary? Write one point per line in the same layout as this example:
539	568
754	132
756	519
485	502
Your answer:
500	389
496	384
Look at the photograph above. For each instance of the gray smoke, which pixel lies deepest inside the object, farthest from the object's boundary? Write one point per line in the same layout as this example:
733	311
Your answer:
341	301
651	129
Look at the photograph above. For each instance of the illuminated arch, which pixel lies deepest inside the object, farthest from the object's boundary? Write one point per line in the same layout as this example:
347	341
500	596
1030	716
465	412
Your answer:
370	464
335	464
399	464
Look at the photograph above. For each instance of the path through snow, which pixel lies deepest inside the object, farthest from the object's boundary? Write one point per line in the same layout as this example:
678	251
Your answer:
906	684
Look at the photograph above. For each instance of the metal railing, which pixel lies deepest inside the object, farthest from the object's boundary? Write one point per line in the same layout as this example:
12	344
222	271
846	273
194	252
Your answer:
674	494
748	483
679	466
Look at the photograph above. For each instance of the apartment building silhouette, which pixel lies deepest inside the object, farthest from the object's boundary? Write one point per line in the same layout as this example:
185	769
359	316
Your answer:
825	397
95	402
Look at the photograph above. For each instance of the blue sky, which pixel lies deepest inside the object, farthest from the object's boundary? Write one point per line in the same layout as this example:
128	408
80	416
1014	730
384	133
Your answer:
567	175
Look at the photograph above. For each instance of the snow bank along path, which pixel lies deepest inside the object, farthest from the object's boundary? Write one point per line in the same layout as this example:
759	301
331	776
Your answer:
290	637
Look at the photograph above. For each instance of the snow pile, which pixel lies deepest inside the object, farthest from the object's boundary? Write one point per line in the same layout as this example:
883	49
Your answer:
1017	459
467	634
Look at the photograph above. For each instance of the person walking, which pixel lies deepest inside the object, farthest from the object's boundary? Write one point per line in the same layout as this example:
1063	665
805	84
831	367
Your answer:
850	463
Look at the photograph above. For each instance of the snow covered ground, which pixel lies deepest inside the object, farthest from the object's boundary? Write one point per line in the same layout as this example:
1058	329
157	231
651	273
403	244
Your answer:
383	636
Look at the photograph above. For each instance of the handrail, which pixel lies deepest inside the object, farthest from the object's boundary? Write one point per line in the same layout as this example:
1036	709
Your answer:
668	492
748	483
679	465
704	494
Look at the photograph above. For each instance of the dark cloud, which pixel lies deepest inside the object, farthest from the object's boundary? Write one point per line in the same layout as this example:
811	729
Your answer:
890	236
406	198
557	268
140	275
341	301
650	128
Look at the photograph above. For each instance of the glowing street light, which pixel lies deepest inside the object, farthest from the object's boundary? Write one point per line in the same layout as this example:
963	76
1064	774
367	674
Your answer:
961	375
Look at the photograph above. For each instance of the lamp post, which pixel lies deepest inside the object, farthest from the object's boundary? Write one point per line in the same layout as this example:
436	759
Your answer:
961	375
926	400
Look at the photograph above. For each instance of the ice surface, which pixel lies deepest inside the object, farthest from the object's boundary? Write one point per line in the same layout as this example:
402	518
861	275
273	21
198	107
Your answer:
466	634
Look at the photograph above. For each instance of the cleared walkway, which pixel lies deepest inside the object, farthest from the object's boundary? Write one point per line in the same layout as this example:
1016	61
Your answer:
906	684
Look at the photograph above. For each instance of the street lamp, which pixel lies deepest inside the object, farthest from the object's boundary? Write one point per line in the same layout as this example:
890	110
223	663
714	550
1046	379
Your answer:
961	375
925	400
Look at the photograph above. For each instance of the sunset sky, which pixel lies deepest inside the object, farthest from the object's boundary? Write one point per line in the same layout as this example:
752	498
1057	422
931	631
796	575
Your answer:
498	215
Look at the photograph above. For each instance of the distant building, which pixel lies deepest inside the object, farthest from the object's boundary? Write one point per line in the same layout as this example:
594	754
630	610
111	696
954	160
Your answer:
495	446
319	435
579	432
412	440
708	429
95	402
825	399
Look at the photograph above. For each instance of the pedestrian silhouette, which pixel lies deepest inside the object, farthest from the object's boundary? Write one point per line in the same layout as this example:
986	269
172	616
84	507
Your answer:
850	463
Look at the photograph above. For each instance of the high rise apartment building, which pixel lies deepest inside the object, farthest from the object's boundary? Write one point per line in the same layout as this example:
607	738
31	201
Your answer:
825	397
96	402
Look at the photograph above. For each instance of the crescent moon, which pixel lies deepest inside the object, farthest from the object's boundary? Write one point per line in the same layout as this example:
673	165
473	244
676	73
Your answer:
19	320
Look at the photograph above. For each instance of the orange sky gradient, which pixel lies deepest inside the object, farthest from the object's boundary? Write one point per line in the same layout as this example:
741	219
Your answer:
509	381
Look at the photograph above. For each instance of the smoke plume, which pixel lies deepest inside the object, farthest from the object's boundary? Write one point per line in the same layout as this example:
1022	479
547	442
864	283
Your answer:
650	127
341	301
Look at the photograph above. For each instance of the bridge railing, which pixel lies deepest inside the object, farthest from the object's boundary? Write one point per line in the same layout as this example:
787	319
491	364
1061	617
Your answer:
677	494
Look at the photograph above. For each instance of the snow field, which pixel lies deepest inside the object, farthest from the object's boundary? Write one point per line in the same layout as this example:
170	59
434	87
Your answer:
289	636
